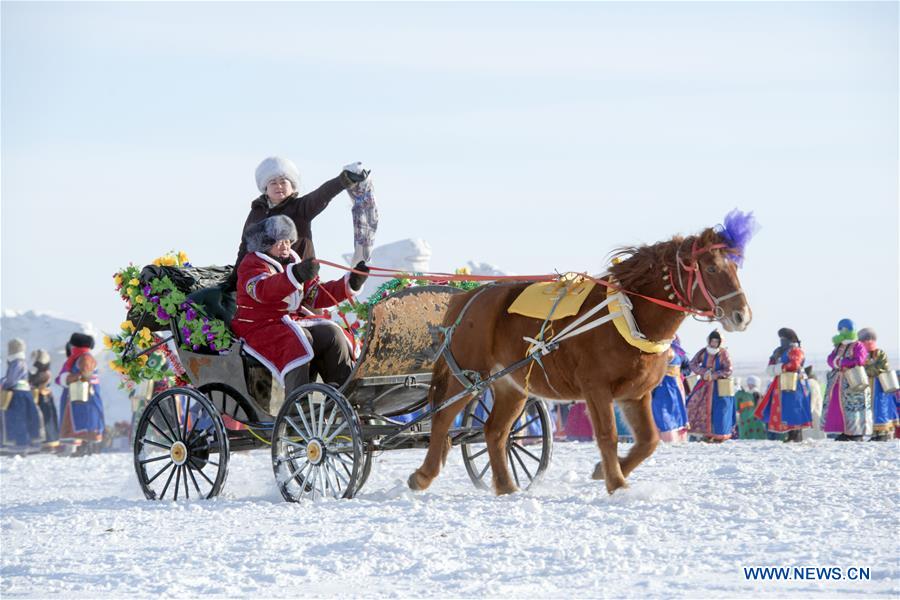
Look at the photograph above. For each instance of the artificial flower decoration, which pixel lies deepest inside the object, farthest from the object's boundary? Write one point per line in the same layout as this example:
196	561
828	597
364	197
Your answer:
362	310
162	301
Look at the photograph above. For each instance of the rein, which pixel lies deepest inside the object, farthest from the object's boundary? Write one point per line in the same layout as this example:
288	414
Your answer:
681	306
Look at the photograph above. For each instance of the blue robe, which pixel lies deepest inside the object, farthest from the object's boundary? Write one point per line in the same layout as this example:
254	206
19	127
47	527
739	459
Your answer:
710	414
669	412
786	410
83	420
21	419
884	406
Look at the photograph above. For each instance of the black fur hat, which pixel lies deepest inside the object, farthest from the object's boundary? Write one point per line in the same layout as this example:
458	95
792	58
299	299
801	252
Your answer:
81	340
788	334
263	235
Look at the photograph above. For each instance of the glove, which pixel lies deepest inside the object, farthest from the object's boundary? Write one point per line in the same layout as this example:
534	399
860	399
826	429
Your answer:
356	280
353	174
305	270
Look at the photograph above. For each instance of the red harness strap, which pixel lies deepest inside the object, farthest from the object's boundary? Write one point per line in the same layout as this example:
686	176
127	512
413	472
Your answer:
444	277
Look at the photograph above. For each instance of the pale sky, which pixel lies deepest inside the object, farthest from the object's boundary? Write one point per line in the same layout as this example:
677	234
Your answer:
536	137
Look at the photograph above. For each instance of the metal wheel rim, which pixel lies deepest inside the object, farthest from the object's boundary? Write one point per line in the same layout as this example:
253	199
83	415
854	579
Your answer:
527	460
228	401
316	416
180	447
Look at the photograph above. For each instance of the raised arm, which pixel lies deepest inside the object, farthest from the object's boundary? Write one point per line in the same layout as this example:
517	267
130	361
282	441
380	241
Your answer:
310	205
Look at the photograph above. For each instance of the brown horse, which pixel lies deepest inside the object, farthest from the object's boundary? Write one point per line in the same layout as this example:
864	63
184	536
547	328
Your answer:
599	366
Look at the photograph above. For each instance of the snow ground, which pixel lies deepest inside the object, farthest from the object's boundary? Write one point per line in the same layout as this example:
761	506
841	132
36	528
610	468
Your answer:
694	516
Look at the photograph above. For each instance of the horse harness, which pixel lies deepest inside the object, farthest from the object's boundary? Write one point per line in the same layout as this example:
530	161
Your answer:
619	308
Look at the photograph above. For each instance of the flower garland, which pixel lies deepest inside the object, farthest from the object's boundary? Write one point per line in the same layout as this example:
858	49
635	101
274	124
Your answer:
165	302
362	310
147	367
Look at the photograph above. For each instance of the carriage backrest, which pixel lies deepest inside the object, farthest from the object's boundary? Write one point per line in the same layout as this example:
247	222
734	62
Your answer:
401	332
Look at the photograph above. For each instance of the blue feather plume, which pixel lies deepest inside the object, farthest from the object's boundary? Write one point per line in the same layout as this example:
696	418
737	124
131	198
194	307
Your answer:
738	229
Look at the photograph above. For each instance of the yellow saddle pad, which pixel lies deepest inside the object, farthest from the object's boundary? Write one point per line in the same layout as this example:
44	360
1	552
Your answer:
537	299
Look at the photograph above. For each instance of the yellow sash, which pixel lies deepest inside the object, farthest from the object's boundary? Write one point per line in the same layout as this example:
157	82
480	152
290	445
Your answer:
628	334
537	299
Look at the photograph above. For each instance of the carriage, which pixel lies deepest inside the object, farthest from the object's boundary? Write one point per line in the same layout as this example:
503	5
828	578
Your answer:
323	438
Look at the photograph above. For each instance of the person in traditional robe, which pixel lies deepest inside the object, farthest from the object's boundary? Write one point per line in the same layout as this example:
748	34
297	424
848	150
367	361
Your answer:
40	380
786	410
747	398
711	415
276	296
884	406
815	406
82	421
21	420
667	404
848	410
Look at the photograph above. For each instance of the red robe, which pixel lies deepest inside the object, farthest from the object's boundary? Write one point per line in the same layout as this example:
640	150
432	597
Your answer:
273	306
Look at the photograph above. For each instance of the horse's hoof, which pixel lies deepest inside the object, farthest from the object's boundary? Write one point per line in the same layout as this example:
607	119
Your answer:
597	475
618	485
505	487
417	482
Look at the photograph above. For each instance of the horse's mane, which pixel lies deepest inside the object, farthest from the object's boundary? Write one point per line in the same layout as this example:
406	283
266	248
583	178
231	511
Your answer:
638	266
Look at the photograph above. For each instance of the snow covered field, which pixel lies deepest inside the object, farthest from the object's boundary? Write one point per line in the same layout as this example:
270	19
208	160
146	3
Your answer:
694	516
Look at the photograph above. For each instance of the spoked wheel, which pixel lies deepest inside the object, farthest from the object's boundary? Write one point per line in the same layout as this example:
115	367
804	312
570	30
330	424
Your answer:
366	469
180	447
229	403
317	445
528	448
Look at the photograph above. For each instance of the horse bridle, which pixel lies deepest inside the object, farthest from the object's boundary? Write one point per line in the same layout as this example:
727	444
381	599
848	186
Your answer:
695	280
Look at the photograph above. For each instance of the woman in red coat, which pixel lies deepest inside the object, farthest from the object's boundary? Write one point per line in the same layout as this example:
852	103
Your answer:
276	296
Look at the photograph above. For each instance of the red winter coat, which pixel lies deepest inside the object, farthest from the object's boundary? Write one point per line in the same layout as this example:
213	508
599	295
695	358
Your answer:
273	306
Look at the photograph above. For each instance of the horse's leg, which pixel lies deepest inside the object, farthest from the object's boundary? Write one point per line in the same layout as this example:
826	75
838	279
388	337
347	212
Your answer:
508	404
640	417
603	418
443	386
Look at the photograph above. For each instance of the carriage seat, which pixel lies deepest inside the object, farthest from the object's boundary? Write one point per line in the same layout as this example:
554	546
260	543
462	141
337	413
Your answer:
215	302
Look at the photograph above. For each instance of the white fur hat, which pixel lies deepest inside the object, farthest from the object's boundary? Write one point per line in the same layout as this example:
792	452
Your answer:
16	346
273	167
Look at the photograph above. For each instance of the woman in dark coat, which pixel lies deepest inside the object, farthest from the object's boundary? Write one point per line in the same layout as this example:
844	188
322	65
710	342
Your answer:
40	380
278	181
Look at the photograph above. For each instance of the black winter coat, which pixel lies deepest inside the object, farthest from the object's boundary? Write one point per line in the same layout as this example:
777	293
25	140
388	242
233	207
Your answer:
299	209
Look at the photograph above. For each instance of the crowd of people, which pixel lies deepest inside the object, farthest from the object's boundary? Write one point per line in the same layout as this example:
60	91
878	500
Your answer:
273	299
699	398
29	419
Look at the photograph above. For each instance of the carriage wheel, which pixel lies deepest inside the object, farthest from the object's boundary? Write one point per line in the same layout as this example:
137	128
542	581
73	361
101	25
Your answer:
229	402
180	447
317	445
368	457
528	448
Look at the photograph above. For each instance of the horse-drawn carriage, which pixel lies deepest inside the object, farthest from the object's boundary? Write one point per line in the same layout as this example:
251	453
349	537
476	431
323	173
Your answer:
323	438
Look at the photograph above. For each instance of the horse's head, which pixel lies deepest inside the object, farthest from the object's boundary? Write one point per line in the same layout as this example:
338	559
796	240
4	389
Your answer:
710	267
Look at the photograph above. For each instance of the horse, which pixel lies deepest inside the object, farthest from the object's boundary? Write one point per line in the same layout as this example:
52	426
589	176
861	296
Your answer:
665	281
